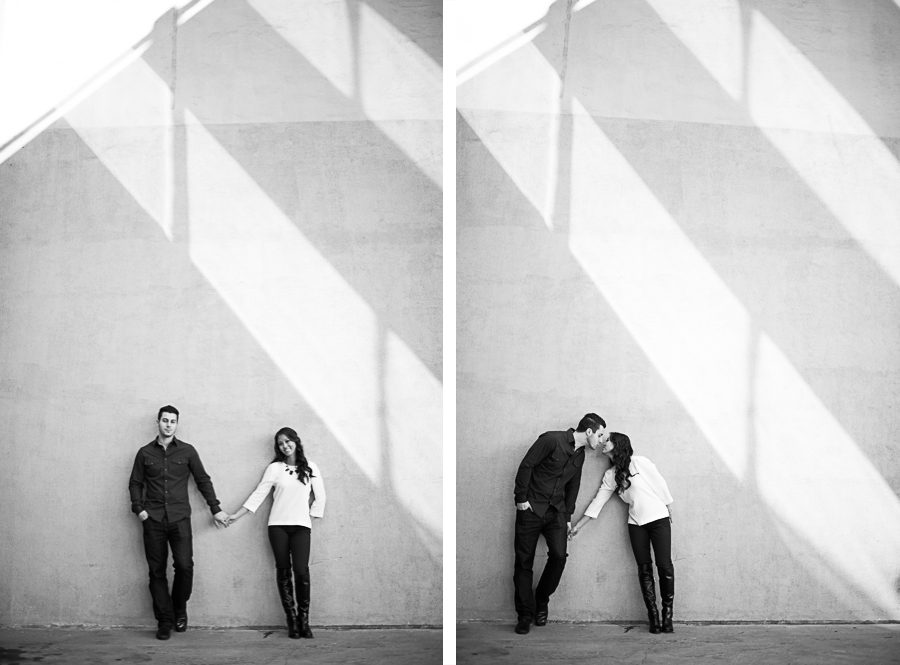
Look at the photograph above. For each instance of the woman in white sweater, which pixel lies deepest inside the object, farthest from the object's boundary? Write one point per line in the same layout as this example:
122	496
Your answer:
299	496
639	484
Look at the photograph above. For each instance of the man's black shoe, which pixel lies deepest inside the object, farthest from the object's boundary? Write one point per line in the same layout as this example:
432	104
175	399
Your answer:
164	632
523	627
540	616
181	623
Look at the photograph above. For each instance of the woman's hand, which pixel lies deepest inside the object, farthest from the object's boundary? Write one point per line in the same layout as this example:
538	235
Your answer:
574	530
236	516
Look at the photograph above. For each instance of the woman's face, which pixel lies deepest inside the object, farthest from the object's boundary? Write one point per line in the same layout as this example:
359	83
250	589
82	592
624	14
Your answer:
607	446
285	445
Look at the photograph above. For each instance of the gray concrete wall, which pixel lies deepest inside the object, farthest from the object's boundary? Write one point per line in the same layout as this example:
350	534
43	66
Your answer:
684	216
241	217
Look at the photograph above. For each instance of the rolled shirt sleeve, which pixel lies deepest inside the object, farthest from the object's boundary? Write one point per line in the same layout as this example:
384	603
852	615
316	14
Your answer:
136	485
204	482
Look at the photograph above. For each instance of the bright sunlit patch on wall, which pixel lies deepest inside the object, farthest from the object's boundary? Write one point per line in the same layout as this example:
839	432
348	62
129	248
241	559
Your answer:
363	55
319	332
488	31
693	330
50	50
388	60
132	115
517	120
822	488
713	32
413	413
321	32
827	142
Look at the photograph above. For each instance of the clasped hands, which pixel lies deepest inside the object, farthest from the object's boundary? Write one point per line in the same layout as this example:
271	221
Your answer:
221	518
572	530
224	519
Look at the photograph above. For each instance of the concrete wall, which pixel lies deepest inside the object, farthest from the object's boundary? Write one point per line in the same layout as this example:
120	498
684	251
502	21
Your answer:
241	217
684	216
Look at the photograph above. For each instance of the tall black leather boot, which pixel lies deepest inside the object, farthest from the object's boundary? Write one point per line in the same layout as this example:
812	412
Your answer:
286	593
667	596
302	583
648	591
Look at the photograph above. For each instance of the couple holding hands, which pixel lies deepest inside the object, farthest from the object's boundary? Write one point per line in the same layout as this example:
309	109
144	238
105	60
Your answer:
546	488
159	497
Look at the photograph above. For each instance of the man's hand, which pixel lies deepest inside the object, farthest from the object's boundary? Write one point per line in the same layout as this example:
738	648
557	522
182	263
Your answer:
524	506
143	515
573	531
221	517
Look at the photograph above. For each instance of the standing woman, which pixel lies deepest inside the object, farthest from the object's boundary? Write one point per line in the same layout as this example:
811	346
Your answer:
299	496
638	483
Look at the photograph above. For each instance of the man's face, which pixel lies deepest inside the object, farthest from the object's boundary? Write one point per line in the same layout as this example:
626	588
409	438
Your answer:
596	439
168	423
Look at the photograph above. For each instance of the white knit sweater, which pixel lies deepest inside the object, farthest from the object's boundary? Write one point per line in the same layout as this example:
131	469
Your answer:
291	505
647	497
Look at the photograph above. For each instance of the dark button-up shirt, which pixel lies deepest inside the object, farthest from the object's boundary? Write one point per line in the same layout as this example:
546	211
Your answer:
159	481
550	473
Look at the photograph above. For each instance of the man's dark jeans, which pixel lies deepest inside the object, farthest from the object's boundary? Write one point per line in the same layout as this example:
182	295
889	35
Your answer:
158	537
529	527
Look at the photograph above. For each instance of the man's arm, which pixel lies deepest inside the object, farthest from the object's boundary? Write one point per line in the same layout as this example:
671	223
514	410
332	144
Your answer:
572	488
204	484
136	486
535	455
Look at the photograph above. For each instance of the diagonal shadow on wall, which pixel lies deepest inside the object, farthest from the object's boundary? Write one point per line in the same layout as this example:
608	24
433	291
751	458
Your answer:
552	347
337	176
738	226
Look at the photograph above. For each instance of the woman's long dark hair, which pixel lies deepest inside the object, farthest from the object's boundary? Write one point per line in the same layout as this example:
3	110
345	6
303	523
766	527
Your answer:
621	460
304	472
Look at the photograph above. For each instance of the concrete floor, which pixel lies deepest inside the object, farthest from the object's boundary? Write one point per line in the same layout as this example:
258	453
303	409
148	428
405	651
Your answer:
690	644
71	646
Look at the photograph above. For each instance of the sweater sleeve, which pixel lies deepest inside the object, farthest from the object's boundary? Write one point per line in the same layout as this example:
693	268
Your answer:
659	484
604	493
262	490
317	508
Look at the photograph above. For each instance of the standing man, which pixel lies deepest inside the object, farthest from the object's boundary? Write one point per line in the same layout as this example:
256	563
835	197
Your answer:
546	488
159	497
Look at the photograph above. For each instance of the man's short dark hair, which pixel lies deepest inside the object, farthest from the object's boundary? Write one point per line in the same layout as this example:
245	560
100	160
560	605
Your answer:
590	421
167	409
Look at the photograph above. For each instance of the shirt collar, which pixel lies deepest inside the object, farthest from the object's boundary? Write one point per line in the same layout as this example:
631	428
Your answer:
570	440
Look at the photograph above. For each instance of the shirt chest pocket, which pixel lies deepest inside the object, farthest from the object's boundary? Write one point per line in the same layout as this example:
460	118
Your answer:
152	466
559	461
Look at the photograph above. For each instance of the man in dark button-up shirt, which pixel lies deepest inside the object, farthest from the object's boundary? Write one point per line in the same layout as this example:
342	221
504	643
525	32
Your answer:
159	497
546	488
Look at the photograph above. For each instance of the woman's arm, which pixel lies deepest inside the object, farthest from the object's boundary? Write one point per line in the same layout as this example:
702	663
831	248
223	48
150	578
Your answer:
231	519
573	531
261	492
